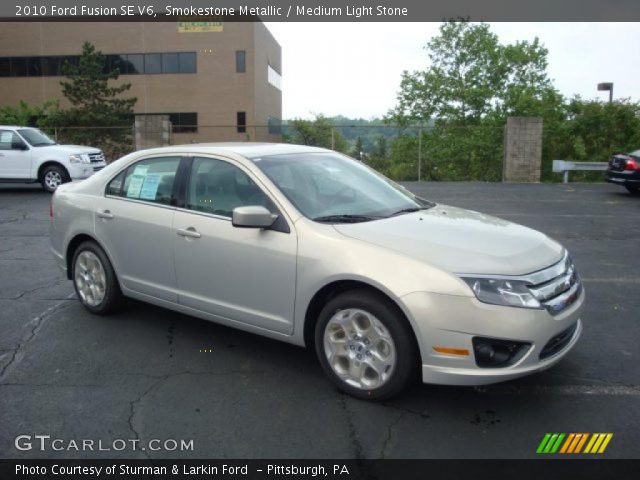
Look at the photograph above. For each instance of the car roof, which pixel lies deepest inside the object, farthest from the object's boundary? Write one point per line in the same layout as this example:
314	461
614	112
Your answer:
13	126
246	149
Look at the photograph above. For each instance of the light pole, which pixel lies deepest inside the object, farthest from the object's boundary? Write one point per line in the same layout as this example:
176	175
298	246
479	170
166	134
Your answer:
607	86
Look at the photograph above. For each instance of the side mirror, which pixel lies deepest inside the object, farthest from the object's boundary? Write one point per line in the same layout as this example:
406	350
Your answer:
18	145
252	216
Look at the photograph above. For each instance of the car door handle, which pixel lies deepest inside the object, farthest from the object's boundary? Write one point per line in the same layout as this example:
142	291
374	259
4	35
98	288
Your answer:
188	232
106	214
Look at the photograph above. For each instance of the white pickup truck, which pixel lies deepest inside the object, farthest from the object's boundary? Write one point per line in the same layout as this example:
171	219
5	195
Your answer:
27	155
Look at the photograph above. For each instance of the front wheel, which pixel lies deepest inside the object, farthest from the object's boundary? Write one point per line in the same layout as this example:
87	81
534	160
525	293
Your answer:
52	177
633	189
366	346
95	280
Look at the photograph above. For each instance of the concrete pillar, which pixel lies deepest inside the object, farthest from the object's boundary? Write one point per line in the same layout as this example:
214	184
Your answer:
522	150
152	131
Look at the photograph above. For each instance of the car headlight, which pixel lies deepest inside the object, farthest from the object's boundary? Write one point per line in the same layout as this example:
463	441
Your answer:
512	293
79	158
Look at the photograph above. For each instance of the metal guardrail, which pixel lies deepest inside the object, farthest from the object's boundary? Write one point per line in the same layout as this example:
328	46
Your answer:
566	166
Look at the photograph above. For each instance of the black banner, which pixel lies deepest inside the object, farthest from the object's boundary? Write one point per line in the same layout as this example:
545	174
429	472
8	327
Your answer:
318	11
543	468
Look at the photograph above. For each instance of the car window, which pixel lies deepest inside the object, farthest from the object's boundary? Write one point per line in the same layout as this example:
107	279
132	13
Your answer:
151	180
328	184
218	187
7	138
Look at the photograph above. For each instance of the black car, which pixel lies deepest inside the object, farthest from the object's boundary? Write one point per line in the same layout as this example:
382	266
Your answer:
624	169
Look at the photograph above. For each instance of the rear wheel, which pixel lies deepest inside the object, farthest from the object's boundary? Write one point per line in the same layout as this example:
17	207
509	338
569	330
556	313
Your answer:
52	177
634	189
366	346
94	280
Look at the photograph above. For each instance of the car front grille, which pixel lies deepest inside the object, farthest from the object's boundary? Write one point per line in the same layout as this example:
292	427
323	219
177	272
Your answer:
96	157
556	287
557	343
97	169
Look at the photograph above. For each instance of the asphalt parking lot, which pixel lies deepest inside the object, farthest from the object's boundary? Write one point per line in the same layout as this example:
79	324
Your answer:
148	373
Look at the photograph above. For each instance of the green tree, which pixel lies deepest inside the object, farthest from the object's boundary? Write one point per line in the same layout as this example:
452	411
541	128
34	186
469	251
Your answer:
473	76
358	149
318	132
99	115
26	115
472	84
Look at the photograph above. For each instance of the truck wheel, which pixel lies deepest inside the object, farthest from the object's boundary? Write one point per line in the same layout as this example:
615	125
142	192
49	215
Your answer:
52	177
633	189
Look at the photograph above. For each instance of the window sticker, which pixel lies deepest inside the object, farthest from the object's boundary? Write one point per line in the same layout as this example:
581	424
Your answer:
135	185
150	187
141	170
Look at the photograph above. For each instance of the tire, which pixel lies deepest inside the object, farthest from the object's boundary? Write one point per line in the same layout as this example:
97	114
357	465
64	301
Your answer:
94	280
359	330
52	177
633	189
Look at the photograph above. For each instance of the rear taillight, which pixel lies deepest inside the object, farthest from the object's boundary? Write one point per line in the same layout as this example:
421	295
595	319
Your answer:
632	164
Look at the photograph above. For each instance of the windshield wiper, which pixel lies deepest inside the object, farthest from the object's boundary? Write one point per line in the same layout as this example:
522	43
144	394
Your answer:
410	210
344	218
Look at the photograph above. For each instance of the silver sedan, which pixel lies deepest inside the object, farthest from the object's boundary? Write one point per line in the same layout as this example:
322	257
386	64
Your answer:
311	247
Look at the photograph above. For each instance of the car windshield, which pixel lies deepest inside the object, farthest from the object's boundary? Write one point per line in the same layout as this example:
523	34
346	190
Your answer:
35	137
332	188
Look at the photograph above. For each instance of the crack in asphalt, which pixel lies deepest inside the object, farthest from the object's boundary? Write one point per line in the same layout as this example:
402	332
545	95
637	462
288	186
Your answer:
55	283
351	429
160	379
390	428
37	324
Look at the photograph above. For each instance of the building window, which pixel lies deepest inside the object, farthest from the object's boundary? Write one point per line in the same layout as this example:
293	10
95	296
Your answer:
274	78
187	62
170	63
127	64
241	122
241	61
152	63
185	122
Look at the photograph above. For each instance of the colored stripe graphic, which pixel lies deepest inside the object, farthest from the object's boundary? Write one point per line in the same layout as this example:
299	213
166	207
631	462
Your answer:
550	443
573	443
598	443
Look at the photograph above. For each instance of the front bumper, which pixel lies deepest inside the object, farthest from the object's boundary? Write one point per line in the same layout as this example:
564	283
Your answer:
445	320
81	171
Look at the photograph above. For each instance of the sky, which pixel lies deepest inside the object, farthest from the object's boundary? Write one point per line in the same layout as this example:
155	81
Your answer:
354	69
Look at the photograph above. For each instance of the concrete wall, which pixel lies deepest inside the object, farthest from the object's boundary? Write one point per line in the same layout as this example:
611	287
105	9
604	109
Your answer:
522	150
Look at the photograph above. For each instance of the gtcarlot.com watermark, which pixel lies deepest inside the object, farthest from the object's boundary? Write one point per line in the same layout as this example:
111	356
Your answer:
44	443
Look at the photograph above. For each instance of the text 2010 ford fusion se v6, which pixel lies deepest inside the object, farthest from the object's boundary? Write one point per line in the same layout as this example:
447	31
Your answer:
311	247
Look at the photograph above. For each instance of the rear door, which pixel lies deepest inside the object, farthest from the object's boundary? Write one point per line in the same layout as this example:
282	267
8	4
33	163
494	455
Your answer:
133	222
243	274
15	156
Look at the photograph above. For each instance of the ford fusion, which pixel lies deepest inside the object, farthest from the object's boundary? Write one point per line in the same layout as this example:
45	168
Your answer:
314	248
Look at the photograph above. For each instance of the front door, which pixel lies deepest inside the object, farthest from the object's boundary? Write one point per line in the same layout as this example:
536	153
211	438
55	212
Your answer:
243	274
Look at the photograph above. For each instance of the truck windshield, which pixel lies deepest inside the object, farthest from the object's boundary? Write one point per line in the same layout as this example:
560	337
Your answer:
35	137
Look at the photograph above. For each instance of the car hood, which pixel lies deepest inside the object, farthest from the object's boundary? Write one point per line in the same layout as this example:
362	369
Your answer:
70	149
460	241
